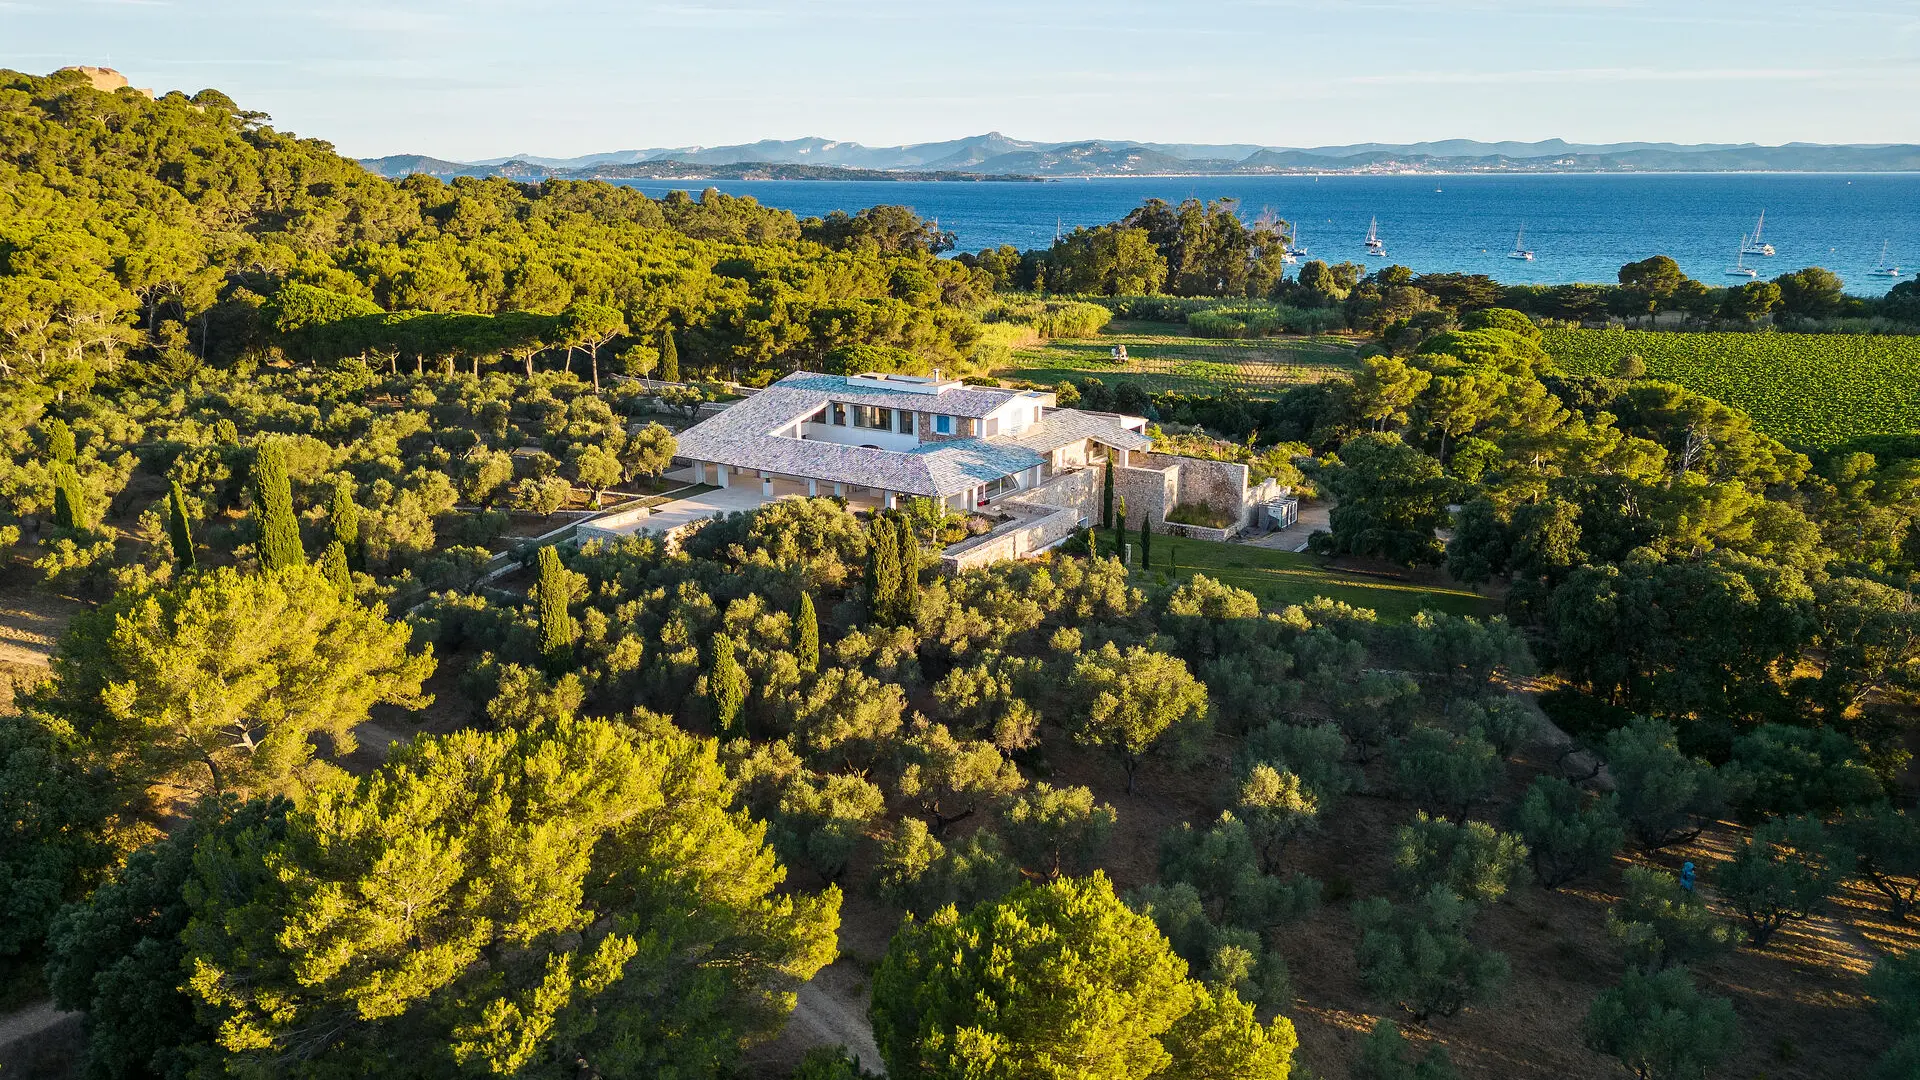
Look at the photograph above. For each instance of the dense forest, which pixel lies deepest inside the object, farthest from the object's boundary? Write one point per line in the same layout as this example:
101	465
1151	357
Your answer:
336	771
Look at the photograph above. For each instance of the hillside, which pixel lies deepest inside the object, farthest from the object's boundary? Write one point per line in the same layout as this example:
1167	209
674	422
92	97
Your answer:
994	153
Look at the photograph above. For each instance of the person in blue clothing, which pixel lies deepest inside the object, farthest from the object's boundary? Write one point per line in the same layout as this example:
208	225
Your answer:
1686	875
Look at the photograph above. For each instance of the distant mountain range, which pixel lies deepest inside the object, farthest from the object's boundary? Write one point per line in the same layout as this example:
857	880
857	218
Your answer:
996	156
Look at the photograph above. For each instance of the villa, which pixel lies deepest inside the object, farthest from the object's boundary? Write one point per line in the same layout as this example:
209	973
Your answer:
1012	456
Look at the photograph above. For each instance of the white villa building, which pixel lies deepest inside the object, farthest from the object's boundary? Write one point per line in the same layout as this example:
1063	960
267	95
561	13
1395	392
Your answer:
876	439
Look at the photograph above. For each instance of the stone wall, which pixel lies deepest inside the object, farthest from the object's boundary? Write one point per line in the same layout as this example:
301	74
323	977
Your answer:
1150	492
1047	515
1015	539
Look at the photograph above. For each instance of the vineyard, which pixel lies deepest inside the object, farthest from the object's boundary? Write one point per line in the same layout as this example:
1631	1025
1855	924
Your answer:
1812	391
1177	362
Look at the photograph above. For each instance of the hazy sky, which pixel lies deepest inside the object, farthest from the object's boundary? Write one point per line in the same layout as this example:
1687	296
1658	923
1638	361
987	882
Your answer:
479	78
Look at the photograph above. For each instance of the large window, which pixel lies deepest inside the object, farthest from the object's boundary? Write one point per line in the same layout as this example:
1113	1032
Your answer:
839	415
943	425
906	423
1006	485
873	416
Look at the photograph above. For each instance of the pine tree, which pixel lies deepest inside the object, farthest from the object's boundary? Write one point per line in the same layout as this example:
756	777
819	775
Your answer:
1106	497
178	530
906	603
726	684
807	634
333	563
556	623
344	515
669	357
1146	544
69	498
279	544
883	570
60	446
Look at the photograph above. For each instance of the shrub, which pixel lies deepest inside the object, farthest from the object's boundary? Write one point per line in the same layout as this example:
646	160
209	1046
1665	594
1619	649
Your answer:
1782	874
1470	858
1660	1027
1659	924
1419	955
1568	834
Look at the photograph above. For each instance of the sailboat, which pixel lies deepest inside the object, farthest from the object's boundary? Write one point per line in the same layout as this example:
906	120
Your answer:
1740	268
1520	249
1753	245
1375	246
1883	270
1293	249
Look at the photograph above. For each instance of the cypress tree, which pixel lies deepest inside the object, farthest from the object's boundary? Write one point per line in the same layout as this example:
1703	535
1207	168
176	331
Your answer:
1120	531
807	634
333	563
178	528
669	357
69	498
726	684
344	515
1106	496
556	624
279	544
1146	544
60	442
906	602
883	570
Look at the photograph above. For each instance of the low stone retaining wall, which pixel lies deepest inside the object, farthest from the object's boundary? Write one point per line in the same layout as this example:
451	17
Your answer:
1199	532
1014	539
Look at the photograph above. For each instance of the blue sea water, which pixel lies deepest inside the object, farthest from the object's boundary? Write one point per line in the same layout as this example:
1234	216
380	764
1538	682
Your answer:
1581	227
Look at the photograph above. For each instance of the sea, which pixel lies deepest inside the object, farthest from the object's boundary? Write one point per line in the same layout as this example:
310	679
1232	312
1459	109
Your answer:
1581	228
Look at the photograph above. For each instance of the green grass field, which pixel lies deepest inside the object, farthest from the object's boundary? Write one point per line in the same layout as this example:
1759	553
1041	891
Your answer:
1280	578
1163	356
1811	391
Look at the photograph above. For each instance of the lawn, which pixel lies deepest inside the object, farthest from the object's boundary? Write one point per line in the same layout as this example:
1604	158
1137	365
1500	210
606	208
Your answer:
1280	578
1163	356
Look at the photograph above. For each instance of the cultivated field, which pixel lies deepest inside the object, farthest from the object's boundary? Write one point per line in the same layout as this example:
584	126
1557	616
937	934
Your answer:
1812	391
1164	357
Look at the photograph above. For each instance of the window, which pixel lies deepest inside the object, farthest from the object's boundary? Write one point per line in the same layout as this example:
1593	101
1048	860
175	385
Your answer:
943	425
883	418
839	415
993	425
906	423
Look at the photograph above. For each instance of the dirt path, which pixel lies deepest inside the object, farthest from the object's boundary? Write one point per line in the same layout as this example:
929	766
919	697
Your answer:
831	1011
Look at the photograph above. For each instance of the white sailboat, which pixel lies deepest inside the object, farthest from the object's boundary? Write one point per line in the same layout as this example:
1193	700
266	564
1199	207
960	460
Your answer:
1883	270
1294	250
1375	246
1753	245
1520	249
1740	267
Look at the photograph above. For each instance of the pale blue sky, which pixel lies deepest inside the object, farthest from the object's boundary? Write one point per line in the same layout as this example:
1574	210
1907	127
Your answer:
480	78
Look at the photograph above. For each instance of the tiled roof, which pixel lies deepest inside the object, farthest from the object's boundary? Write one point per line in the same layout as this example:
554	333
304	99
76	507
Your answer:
973	401
1064	426
742	436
